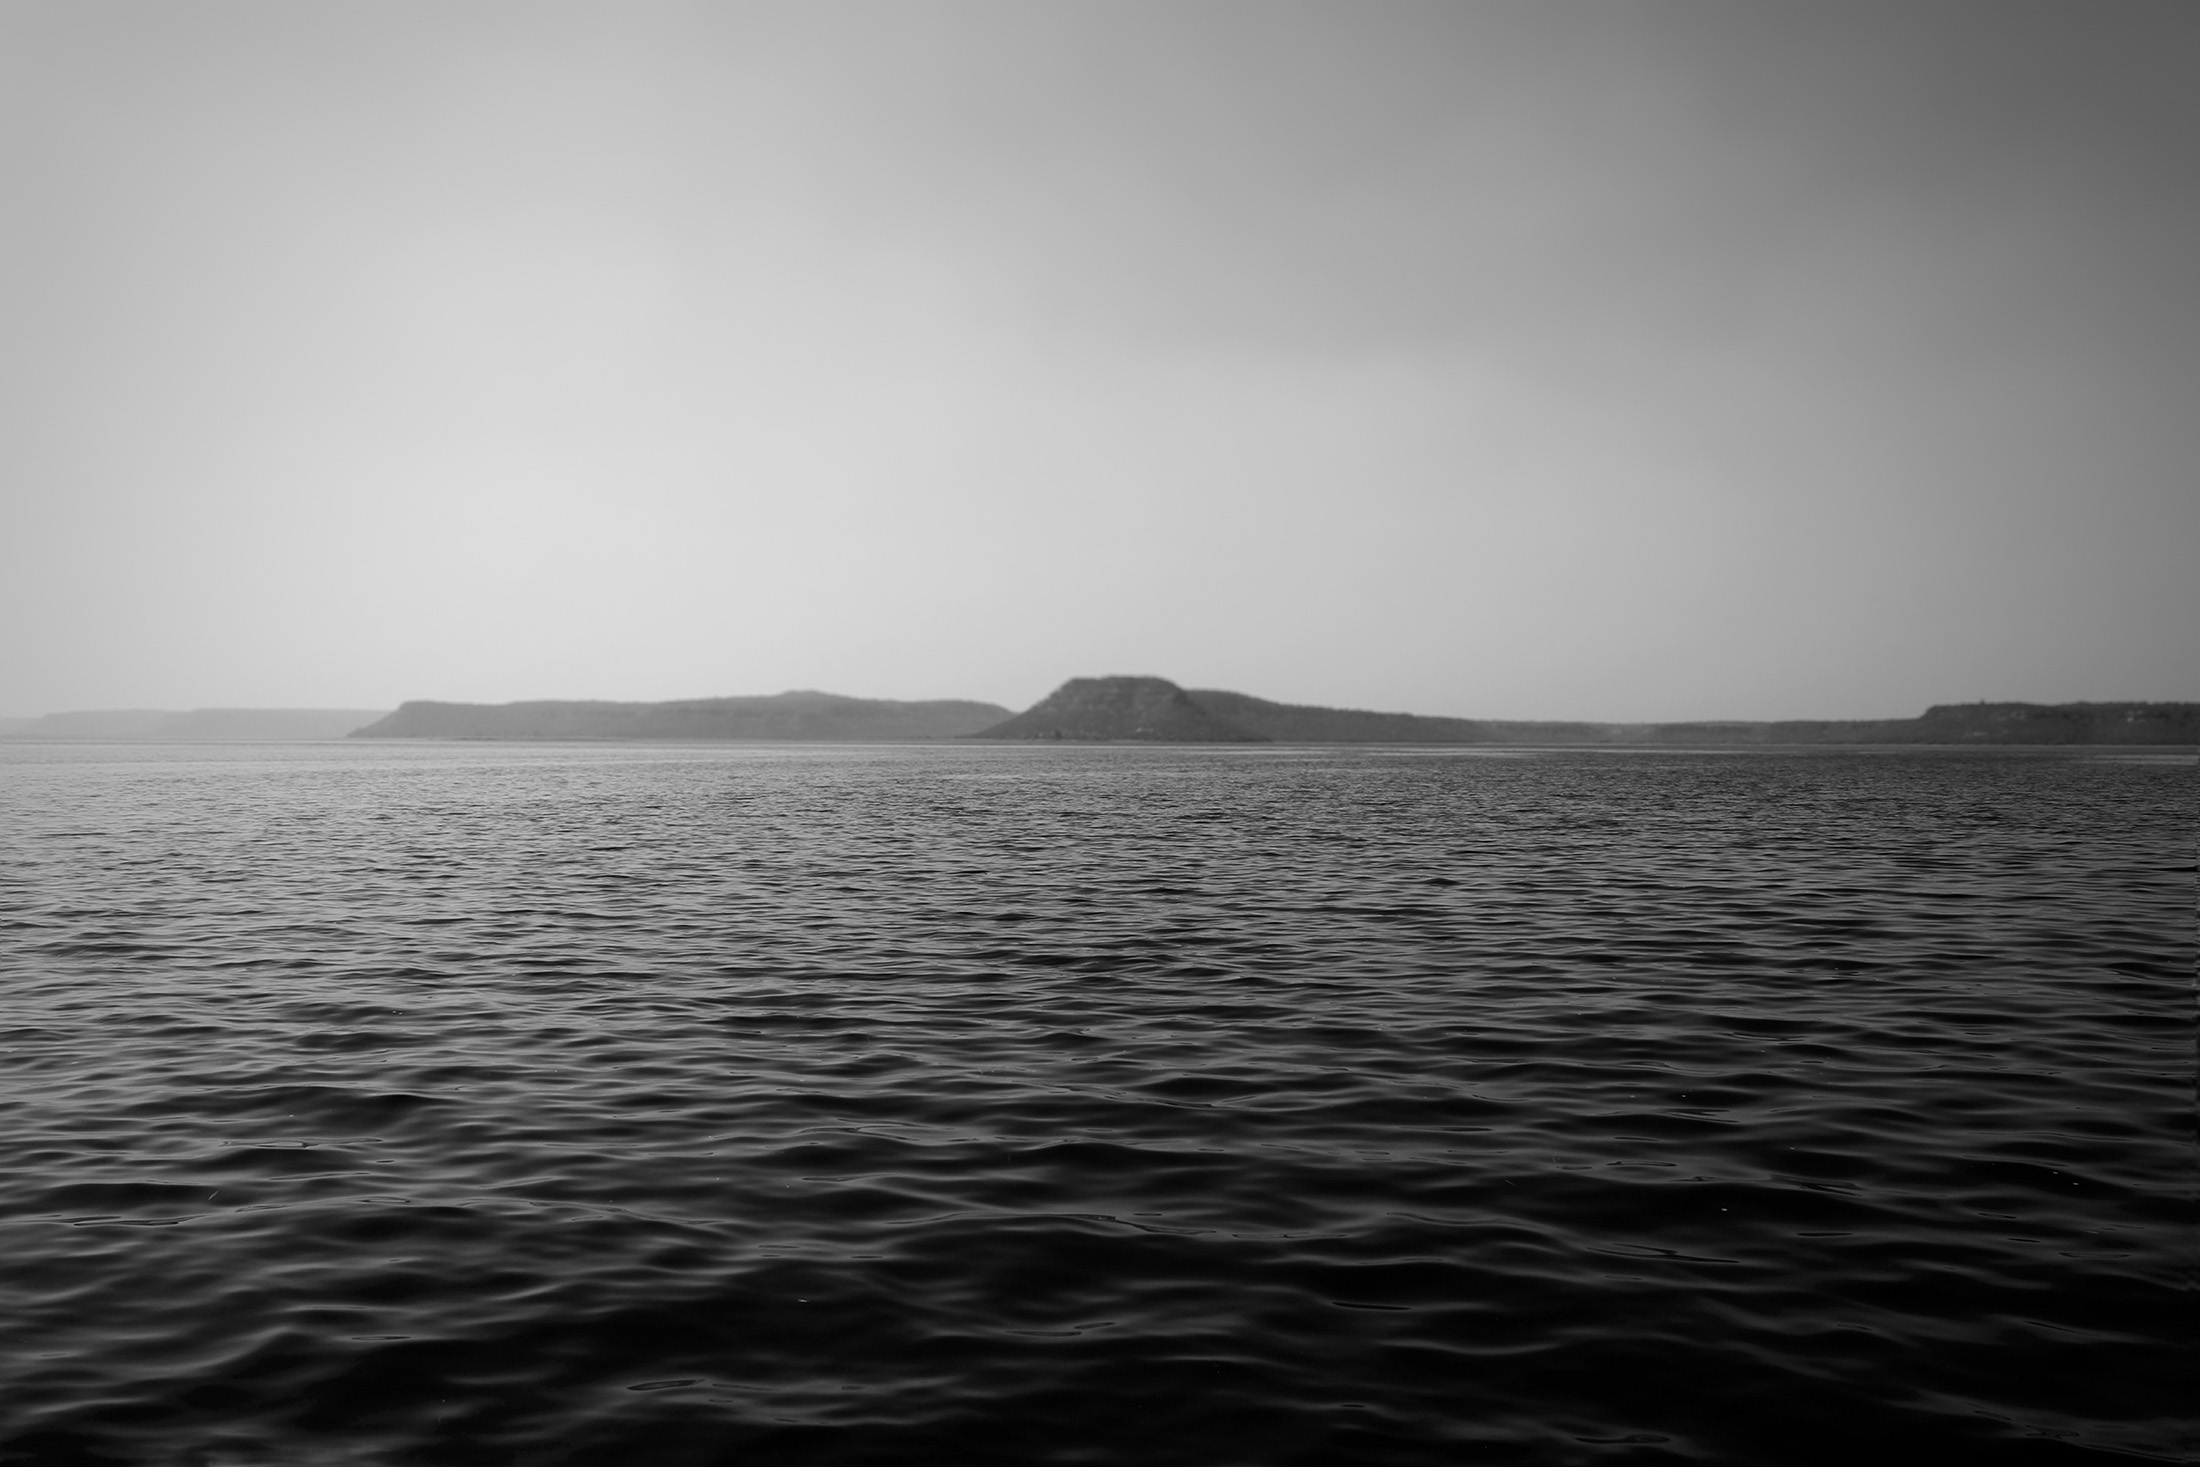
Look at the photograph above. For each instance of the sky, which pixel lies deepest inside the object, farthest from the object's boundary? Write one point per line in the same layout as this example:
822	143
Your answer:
1652	359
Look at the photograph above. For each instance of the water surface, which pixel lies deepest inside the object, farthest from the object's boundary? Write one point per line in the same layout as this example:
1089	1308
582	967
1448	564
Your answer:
458	1104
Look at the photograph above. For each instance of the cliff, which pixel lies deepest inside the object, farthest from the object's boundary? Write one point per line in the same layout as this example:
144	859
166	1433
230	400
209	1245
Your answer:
1106	709
793	717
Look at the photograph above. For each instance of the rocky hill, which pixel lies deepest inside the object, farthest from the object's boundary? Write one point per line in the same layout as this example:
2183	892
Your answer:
1106	709
795	716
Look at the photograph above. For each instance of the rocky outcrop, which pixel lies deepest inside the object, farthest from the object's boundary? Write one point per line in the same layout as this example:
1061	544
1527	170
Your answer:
800	717
1111	709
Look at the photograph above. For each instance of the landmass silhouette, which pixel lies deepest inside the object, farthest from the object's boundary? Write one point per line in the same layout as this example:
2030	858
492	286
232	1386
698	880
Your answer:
1108	709
796	716
198	726
1116	709
1145	709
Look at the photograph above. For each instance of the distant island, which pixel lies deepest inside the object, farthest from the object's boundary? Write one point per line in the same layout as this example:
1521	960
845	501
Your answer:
1943	723
198	726
1151	709
1118	709
796	717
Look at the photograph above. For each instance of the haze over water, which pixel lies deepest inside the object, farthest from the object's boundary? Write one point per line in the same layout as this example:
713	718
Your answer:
1511	359
592	1104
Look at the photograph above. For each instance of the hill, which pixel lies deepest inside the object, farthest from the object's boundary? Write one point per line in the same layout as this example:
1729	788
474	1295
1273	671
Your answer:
1107	709
795	716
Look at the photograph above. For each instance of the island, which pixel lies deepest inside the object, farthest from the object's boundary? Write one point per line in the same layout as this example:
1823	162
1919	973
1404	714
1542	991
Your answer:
1154	710
1115	709
801	716
198	726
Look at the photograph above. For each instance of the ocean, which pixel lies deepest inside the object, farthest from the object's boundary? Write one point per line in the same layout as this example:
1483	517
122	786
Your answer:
458	1104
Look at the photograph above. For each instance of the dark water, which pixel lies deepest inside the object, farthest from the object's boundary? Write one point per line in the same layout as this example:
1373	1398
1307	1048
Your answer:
469	1105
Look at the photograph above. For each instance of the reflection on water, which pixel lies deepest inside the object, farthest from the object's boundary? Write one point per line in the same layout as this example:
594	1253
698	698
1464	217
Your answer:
460	1104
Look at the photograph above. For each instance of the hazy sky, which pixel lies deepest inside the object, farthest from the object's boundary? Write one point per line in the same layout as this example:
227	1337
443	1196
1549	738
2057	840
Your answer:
1629	360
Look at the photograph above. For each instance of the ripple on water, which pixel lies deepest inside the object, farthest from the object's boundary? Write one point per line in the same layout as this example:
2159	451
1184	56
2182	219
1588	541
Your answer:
459	1105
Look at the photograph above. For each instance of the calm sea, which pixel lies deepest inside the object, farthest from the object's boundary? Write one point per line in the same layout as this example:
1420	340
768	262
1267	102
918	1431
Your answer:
477	1104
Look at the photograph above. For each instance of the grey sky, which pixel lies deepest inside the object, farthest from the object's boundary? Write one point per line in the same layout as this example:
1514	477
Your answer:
1635	360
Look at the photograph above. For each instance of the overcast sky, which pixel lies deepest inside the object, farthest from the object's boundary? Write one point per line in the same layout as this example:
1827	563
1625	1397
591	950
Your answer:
1636	360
